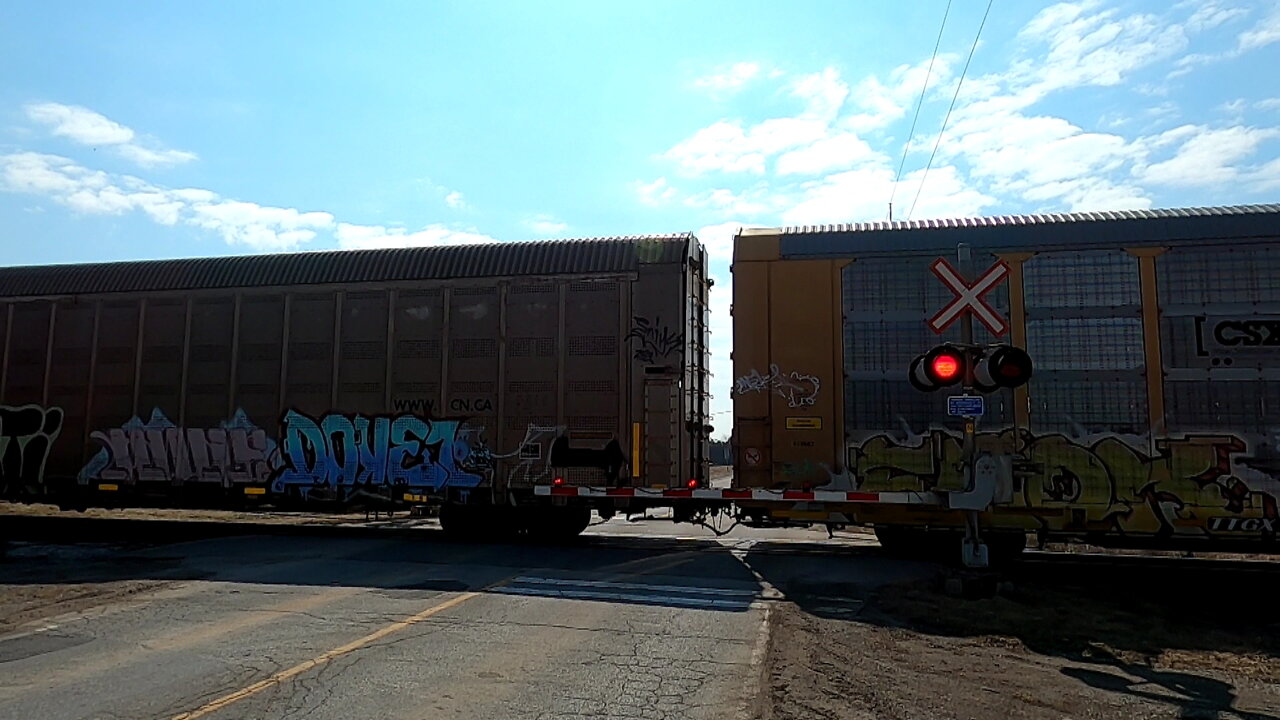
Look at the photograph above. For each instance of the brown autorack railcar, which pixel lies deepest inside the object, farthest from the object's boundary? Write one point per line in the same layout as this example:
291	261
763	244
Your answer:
458	375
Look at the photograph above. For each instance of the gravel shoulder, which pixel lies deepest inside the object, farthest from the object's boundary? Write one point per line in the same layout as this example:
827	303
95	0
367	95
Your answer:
39	581
1039	650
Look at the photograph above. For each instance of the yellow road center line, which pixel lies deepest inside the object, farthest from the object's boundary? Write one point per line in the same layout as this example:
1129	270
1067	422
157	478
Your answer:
337	652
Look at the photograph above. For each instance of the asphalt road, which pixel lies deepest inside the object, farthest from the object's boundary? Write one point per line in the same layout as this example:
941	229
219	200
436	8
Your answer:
626	623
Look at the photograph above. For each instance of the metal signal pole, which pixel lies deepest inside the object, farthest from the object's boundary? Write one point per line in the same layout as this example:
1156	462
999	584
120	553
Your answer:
973	551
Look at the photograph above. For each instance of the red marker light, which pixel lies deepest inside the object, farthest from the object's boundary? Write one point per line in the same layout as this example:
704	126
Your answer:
558	481
693	484
946	366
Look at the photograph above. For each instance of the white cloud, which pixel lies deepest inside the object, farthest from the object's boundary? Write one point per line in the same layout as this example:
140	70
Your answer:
735	76
841	151
1265	177
997	145
1090	47
1234	107
723	200
257	226
823	92
39	174
655	193
1267	31
79	124
92	192
1268	104
147	157
1017	152
1210	14
545	225
881	104
727	147
718	239
1204	156
366	237
86	127
455	200
862	195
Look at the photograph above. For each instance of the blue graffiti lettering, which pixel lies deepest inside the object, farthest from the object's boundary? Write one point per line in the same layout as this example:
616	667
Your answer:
357	450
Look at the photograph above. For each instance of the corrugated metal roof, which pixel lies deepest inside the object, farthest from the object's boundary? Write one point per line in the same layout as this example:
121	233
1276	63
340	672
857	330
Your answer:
1083	229
576	256
1043	219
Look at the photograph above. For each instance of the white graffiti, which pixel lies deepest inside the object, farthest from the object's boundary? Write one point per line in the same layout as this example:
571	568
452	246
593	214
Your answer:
798	389
533	454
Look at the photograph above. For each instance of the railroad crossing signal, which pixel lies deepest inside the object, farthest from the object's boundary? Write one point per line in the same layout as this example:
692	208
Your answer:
969	298
987	367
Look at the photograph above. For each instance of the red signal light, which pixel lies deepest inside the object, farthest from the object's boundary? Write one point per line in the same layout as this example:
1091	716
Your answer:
558	481
946	366
693	484
942	366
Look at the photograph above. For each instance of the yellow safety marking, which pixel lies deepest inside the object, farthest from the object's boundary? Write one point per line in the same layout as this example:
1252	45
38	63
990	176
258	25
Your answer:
635	450
317	661
416	498
255	491
804	423
108	487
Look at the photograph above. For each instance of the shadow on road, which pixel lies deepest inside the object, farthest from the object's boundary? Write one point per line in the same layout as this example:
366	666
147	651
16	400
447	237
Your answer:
1147	630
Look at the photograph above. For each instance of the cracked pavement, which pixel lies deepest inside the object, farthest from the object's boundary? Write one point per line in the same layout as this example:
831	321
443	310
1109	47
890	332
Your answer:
619	627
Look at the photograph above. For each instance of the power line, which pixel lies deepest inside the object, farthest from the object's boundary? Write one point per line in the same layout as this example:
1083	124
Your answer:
949	109
919	103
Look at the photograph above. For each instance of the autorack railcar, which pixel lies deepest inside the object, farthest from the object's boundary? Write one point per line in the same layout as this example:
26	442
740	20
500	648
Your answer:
456	375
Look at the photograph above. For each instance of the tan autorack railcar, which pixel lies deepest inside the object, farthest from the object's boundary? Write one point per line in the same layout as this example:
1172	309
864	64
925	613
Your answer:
1153	414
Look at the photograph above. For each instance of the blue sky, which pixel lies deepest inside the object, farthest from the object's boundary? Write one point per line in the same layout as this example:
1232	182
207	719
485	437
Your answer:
147	130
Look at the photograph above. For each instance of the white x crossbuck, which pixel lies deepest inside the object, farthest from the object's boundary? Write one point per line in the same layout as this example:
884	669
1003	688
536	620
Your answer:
969	298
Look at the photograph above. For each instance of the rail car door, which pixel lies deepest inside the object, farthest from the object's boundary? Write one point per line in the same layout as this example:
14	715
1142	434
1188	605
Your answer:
661	446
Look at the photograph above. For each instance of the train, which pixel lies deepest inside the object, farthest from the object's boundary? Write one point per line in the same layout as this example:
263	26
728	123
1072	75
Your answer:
521	387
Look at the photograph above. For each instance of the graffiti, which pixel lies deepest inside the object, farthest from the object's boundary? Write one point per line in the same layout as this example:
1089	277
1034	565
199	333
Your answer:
361	450
26	435
1250	525
1194	483
797	389
158	450
470	405
656	340
803	469
531	466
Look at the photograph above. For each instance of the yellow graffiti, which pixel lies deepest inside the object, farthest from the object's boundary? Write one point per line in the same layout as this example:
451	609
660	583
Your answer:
1099	483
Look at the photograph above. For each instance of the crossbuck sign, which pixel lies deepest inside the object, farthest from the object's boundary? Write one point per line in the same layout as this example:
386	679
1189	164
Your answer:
969	298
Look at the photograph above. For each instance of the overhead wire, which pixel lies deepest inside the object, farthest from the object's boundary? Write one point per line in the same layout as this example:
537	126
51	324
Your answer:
919	103
947	117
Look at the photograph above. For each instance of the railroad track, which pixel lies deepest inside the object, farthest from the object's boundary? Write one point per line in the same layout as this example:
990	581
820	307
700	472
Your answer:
70	529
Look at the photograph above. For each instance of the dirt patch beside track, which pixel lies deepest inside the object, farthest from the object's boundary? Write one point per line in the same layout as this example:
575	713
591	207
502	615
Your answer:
1041	649
39	581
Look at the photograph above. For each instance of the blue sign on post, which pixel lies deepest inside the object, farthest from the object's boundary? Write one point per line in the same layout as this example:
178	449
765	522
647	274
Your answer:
966	406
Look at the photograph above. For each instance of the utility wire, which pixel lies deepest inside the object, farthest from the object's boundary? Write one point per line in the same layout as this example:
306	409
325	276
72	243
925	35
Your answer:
949	109
919	103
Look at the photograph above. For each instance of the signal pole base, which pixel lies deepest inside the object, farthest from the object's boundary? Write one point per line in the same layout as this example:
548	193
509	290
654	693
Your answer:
973	553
